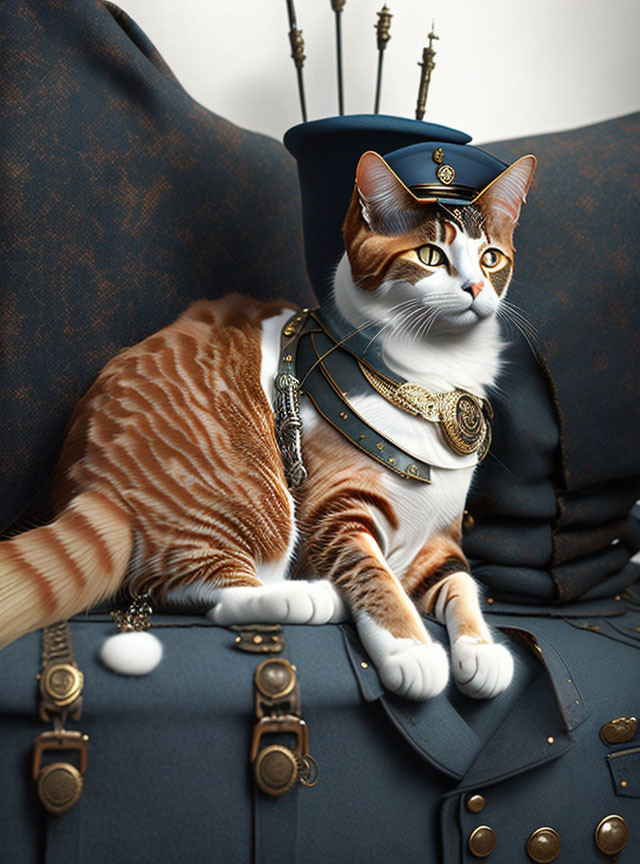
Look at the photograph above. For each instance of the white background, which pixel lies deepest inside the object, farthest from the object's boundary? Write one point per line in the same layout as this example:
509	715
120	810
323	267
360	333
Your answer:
504	68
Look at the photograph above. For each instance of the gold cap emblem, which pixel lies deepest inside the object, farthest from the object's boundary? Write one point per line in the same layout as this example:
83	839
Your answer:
438	156
446	174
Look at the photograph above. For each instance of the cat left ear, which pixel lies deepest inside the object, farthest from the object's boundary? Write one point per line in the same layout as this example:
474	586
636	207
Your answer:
386	204
504	196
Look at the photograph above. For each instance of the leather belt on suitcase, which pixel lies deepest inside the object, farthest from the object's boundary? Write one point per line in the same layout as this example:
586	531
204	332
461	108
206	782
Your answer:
60	683
277	767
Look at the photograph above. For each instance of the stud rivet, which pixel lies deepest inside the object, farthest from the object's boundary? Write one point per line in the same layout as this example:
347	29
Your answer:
475	803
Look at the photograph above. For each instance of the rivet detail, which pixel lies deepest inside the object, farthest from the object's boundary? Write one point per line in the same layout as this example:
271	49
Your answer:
475	803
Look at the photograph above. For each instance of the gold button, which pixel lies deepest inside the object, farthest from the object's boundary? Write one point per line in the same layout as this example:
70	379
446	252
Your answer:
544	845
276	770
62	684
612	834
475	803
482	841
619	730
468	522
59	786
275	678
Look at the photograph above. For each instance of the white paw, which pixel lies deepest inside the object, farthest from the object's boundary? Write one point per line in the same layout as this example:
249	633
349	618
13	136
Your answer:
480	670
295	602
415	670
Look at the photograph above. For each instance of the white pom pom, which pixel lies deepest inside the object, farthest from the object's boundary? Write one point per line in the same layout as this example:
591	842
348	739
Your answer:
132	653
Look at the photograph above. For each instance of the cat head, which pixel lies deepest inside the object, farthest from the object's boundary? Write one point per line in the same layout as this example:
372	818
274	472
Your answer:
442	268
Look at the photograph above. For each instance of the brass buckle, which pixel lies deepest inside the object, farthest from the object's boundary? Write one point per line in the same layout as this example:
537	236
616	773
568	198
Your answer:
59	783
277	768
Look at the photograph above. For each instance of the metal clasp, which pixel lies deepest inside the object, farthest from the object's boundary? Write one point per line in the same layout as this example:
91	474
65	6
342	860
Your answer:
59	783
278	768
61	740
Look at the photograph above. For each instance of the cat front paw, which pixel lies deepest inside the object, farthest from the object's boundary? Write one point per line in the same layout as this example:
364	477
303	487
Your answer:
481	670
415	670
295	602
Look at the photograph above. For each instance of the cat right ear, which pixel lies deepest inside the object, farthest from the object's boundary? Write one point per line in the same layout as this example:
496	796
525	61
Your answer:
386	204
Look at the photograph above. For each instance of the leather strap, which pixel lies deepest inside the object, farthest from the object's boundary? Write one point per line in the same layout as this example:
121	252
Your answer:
60	681
311	362
275	819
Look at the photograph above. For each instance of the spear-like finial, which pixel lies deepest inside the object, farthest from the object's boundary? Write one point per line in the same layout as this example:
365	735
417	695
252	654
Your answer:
382	29
427	66
338	6
297	53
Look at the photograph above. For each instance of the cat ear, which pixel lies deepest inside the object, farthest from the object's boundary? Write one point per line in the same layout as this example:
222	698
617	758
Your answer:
386	204
504	196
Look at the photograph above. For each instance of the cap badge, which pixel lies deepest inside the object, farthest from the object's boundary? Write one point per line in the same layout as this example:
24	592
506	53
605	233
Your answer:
446	174
438	156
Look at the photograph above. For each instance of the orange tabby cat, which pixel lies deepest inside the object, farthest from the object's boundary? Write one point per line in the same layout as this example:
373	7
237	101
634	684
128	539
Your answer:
171	480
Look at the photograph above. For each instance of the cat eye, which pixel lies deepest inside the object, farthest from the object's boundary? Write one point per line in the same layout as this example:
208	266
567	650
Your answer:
493	259
431	256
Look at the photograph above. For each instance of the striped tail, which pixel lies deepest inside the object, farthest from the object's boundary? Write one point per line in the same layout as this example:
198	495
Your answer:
50	573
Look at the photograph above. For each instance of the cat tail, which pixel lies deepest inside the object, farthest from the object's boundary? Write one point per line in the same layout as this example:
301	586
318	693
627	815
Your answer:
53	572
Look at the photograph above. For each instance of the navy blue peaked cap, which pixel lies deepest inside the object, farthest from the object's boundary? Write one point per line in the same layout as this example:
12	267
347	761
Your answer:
434	161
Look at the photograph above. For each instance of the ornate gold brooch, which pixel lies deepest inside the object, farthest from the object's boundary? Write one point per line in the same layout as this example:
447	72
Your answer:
464	418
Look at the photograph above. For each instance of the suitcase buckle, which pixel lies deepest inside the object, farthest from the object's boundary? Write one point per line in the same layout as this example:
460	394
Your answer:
278	768
59	783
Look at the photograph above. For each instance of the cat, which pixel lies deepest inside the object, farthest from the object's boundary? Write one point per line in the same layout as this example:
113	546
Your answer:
170	479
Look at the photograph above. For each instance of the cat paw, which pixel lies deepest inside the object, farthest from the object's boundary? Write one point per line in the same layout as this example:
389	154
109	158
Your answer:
316	602
415	670
480	670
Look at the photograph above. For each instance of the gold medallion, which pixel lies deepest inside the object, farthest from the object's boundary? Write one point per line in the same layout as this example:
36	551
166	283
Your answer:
463	417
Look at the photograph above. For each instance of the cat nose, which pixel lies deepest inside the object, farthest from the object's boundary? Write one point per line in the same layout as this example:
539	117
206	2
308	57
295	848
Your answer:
473	288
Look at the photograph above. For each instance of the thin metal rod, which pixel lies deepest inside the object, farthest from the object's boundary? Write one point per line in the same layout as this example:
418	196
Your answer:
382	28
303	103
297	54
376	107
339	57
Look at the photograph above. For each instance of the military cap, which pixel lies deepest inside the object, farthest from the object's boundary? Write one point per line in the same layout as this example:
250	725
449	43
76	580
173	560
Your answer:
433	161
